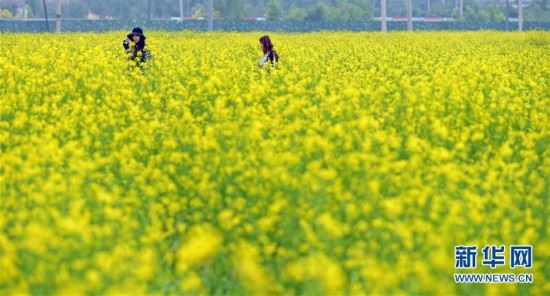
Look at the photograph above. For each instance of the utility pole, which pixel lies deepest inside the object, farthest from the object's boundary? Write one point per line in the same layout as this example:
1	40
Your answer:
461	8
46	15
520	15
24	9
456	6
181	10
428	8
383	15
58	16
210	15
409	16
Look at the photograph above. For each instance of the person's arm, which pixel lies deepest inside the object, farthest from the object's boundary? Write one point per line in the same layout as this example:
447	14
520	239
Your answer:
126	44
146	55
263	60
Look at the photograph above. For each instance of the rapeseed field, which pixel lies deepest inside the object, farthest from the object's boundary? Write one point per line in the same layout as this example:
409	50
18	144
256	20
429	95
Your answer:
353	168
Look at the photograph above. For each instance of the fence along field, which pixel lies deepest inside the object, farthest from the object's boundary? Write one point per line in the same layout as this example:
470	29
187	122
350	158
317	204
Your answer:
259	26
354	167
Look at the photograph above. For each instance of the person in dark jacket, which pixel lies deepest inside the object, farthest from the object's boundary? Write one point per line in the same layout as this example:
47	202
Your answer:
135	47
269	53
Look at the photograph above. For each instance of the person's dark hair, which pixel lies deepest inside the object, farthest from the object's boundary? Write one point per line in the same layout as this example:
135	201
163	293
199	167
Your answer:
267	46
139	46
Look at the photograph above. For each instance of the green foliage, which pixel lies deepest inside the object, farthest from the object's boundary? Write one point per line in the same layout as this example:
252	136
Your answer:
441	9
230	9
538	11
491	12
274	10
495	13
296	10
320	12
536	15
346	11
199	11
268	26
296	13
5	13
75	9
19	12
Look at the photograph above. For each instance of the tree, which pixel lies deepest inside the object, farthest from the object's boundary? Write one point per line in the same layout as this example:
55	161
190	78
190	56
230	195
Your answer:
198	11
346	11
494	12
365	9
313	10
5	13
296	14
539	10
230	9
274	10
319	12
473	13
75	9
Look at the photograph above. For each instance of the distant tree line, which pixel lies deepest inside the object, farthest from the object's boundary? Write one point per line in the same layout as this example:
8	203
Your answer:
293	10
